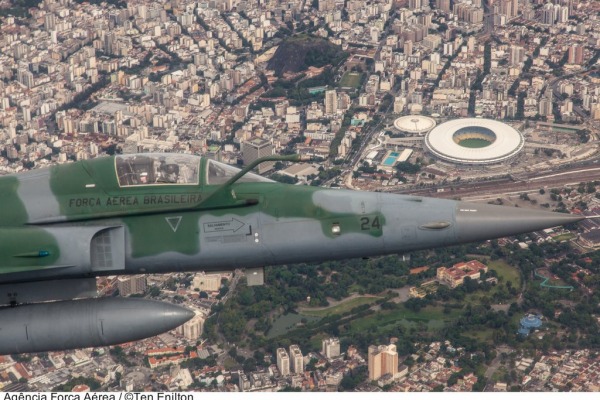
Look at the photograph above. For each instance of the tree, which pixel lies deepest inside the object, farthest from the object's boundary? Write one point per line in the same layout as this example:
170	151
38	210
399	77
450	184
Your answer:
290	389
284	179
154	291
249	365
408	167
311	364
453	379
353	379
232	352
479	386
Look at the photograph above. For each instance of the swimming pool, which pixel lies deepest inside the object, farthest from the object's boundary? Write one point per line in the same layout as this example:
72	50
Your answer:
391	159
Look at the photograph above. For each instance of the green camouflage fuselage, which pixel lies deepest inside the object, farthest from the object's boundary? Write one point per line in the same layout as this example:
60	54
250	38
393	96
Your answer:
112	216
62	226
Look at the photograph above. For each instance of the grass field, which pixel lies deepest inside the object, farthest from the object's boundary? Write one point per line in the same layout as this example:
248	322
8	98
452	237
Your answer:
351	79
286	323
565	236
556	282
474	143
230	363
340	308
483	335
508	273
433	317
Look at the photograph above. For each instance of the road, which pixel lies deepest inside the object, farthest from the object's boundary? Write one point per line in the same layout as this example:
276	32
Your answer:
354	158
333	303
237	274
403	294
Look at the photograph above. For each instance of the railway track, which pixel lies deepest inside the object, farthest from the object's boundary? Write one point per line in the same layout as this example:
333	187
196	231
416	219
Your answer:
486	189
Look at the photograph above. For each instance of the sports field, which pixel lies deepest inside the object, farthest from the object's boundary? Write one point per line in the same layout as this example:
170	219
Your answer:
474	143
350	79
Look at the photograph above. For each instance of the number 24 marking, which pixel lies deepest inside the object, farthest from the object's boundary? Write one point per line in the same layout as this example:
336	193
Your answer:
366	223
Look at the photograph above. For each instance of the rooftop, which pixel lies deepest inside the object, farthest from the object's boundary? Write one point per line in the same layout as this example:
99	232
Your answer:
416	124
504	141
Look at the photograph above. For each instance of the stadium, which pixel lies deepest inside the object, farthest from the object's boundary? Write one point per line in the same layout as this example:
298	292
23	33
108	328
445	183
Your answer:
414	124
474	141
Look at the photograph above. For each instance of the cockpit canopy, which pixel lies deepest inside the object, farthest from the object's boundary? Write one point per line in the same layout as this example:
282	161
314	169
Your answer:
157	169
173	169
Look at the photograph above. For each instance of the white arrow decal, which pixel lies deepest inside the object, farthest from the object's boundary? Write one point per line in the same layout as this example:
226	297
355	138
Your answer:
232	225
173	222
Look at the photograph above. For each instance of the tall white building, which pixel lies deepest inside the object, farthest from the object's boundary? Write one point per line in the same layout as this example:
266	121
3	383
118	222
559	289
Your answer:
516	55
25	77
509	8
331	102
256	148
548	14
415	4
244	382
331	347
563	15
283	362
408	47
297	360
49	22
382	360
192	329
326	5
443	5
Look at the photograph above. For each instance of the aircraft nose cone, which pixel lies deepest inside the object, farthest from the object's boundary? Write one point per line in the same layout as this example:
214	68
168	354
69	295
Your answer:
479	221
144	318
173	315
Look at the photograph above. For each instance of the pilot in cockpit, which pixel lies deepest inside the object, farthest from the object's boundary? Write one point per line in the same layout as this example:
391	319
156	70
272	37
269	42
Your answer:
167	173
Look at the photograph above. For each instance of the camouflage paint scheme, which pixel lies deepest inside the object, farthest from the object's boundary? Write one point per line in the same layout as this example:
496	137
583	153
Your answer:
51	218
62	226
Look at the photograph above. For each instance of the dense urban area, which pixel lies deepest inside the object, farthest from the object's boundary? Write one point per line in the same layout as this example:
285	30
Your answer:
361	87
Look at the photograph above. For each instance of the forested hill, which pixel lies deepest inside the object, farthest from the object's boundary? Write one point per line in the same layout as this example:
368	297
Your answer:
299	52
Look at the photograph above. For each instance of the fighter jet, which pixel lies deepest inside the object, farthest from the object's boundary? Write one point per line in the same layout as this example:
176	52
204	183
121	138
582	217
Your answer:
63	226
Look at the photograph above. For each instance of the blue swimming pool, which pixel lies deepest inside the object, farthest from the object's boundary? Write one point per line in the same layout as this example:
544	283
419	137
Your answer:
391	159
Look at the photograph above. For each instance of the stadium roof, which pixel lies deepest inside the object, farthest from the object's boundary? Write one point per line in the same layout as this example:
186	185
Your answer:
414	124
508	142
